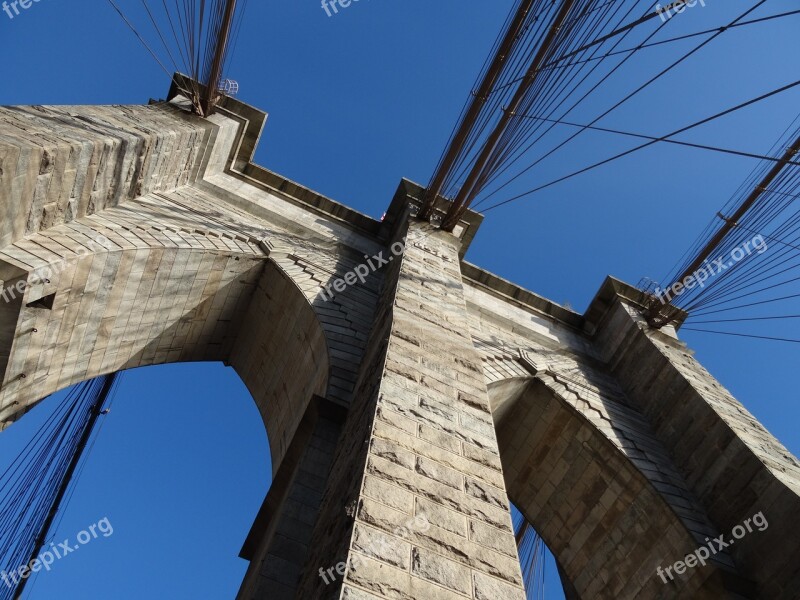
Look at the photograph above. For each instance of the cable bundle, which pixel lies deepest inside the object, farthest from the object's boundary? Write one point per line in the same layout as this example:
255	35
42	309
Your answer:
755	271
562	53
547	64
199	41
532	551
33	485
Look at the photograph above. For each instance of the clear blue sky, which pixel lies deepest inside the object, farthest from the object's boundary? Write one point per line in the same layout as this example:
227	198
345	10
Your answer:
356	102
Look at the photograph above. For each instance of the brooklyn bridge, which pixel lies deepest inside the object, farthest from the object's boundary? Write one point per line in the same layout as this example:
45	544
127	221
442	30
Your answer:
434	428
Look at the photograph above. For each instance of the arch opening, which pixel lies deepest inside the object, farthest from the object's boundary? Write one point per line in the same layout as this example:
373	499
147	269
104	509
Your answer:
607	526
113	307
177	470
124	305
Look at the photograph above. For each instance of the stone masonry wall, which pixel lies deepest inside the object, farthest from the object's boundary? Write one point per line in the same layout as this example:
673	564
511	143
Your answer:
334	527
730	461
431	509
584	465
58	163
281	540
211	263
91	162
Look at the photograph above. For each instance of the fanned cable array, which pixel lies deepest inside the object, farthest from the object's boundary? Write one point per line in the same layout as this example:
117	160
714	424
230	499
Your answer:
552	58
196	37
36	483
744	269
531	550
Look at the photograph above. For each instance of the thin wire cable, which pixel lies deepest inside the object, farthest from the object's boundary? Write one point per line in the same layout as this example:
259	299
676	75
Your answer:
139	37
31	483
637	148
649	82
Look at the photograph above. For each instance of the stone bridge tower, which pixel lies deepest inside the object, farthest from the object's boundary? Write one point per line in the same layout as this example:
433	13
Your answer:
405	408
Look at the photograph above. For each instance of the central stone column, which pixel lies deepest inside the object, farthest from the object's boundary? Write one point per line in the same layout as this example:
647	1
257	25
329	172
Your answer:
416	506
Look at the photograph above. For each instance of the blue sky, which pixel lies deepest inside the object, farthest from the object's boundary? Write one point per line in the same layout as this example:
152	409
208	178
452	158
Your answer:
357	101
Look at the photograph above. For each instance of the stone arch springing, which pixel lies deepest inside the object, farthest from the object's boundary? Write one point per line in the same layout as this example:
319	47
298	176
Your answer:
132	288
125	294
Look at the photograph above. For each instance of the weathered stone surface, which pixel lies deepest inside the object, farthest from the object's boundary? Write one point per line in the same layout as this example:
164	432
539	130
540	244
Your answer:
439	570
487	588
491	537
375	544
